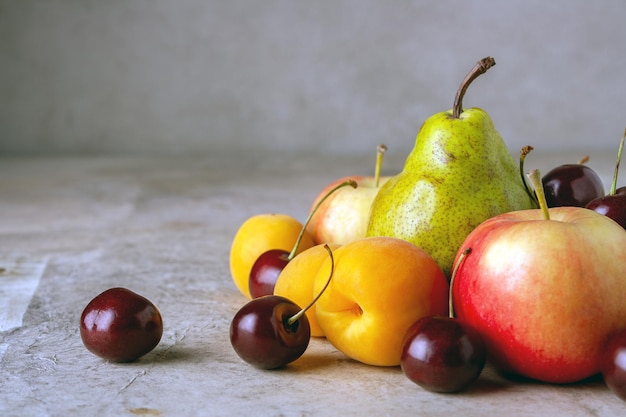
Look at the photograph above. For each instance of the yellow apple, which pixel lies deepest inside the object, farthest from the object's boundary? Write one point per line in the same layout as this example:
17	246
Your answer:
344	216
379	288
257	235
296	281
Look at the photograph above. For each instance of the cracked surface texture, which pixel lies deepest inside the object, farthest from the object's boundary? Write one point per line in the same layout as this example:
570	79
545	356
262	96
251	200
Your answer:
163	228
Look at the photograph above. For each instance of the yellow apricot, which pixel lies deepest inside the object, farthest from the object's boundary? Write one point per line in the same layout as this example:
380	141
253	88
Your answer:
380	287
296	280
259	234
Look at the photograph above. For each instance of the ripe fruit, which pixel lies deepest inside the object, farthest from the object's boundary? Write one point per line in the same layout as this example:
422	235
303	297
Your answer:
613	205
380	287
257	235
343	217
262	334
296	281
271	331
459	162
572	185
120	325
544	288
269	264
614	365
443	354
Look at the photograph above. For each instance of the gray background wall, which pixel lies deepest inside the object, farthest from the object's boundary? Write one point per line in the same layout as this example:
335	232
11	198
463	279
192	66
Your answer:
201	76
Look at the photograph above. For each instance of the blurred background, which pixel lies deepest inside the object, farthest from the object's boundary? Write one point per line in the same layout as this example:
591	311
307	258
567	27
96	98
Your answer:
195	77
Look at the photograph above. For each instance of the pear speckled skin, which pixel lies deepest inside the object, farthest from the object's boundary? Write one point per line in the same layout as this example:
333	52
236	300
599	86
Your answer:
459	174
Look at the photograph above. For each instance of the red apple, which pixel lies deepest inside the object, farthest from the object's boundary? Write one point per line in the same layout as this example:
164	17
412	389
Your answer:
545	293
344	216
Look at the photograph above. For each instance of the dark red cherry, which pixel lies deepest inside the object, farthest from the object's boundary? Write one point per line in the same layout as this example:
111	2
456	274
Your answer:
612	206
262	335
269	265
442	354
572	185
120	325
614	364
265	272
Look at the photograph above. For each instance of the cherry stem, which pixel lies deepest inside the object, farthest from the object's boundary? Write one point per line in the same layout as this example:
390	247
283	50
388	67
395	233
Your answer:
522	156
535	179
352	183
291	320
454	271
619	158
480	68
380	151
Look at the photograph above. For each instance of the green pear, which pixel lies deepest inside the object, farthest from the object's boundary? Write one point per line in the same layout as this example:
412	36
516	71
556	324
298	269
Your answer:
459	174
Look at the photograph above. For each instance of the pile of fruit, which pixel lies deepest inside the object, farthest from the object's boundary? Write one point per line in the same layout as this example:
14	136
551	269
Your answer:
458	259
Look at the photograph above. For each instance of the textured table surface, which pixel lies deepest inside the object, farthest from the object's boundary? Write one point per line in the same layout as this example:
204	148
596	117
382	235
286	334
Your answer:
72	227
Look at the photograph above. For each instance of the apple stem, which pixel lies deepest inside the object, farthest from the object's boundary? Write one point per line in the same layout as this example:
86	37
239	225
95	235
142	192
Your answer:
380	151
619	158
522	157
480	68
352	183
454	271
535	179
583	160
291	320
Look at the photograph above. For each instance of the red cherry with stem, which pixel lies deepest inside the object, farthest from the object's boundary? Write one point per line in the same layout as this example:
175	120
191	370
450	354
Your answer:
271	331
269	264
443	354
613	205
120	325
572	185
614	365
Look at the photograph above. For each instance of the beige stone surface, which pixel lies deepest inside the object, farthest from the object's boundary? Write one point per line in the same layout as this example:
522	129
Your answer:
72	227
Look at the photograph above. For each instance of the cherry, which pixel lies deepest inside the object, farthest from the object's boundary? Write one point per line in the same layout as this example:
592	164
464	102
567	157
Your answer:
572	185
269	264
613	205
614	365
443	354
120	325
263	335
265	271
271	331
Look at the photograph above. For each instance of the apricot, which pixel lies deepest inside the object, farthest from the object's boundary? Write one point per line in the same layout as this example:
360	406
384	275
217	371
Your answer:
297	279
380	287
259	234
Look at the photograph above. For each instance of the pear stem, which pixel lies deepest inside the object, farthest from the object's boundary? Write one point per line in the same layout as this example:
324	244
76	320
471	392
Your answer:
535	179
291	320
454	271
619	158
480	68
293	252
380	151
522	157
